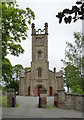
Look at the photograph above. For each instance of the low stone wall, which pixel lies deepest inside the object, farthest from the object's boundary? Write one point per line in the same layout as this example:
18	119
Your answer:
74	101
50	101
70	101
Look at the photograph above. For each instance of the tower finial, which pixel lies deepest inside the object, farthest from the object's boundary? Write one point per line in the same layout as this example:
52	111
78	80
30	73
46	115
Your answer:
46	28
33	28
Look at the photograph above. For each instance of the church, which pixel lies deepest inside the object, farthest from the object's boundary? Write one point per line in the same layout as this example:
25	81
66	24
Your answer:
39	76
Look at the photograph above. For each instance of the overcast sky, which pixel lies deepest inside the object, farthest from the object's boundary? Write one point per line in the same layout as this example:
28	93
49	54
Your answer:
45	11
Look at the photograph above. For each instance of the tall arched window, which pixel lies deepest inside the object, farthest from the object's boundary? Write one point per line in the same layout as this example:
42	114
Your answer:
39	55
39	72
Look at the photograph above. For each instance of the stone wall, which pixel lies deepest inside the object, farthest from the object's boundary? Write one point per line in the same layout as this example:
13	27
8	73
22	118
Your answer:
48	78
74	101
50	101
70	101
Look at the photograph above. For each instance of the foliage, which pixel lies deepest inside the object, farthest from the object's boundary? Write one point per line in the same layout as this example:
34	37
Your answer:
15	23
16	71
6	70
4	89
14	83
27	68
72	14
4	101
73	62
14	27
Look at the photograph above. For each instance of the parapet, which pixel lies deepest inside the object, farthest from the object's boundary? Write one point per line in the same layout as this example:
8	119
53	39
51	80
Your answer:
39	31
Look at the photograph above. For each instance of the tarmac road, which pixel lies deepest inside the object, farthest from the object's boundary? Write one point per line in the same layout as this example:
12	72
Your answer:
28	109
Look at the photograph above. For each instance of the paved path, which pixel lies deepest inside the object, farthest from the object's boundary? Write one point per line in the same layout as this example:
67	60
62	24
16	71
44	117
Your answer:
28	109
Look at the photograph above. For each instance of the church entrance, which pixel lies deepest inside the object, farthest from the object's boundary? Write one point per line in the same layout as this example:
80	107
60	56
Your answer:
39	90
50	91
29	91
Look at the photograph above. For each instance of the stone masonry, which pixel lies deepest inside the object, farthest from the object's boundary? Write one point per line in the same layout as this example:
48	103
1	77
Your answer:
40	76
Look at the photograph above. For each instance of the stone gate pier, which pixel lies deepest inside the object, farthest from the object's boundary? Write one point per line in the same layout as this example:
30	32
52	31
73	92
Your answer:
43	96
10	95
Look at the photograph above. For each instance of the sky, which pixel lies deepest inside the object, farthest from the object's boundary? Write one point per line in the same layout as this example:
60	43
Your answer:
46	11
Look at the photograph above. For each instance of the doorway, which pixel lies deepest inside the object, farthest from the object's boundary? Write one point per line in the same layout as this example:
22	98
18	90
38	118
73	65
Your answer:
50	91
39	90
29	91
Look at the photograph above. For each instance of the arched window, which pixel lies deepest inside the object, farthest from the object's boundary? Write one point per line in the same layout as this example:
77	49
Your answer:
39	72
39	55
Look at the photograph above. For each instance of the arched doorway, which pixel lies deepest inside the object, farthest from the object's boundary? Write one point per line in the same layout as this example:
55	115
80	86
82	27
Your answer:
50	90
39	87
29	91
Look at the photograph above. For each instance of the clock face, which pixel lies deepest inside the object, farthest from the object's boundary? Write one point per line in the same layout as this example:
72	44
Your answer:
39	41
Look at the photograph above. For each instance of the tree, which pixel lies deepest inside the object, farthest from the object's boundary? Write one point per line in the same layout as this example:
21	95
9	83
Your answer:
73	61
15	23
6	71
27	68
14	82
16	71
14	27
72	14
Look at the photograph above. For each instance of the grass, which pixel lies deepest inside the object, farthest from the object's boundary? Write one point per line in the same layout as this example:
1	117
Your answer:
49	107
4	101
16	105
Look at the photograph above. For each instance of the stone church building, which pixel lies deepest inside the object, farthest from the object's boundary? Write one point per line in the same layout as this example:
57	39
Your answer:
40	77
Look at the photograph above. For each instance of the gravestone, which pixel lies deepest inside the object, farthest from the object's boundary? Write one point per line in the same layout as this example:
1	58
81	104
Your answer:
10	95
43	96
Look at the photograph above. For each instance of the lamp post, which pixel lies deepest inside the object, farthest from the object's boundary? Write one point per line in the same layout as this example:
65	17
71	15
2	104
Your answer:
82	72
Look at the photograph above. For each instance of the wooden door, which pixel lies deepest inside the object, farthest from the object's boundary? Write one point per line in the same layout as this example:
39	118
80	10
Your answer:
50	91
39	90
29	91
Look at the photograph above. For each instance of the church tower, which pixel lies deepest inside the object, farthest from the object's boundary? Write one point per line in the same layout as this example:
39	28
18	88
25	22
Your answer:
39	64
40	76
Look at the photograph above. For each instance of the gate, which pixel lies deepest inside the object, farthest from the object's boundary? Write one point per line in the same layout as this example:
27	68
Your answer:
50	91
56	100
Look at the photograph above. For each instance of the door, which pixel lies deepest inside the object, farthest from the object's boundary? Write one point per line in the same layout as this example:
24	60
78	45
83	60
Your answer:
29	91
39	90
50	91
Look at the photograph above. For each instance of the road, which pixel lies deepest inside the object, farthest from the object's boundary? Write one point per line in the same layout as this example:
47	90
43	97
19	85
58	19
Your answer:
28	109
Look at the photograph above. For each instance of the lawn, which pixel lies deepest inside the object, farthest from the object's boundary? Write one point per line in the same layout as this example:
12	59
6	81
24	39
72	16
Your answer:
4	101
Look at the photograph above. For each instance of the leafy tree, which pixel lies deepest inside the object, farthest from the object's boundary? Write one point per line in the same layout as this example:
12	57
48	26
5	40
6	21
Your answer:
16	71
27	68
6	71
77	12
15	23
73	62
14	83
14	27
